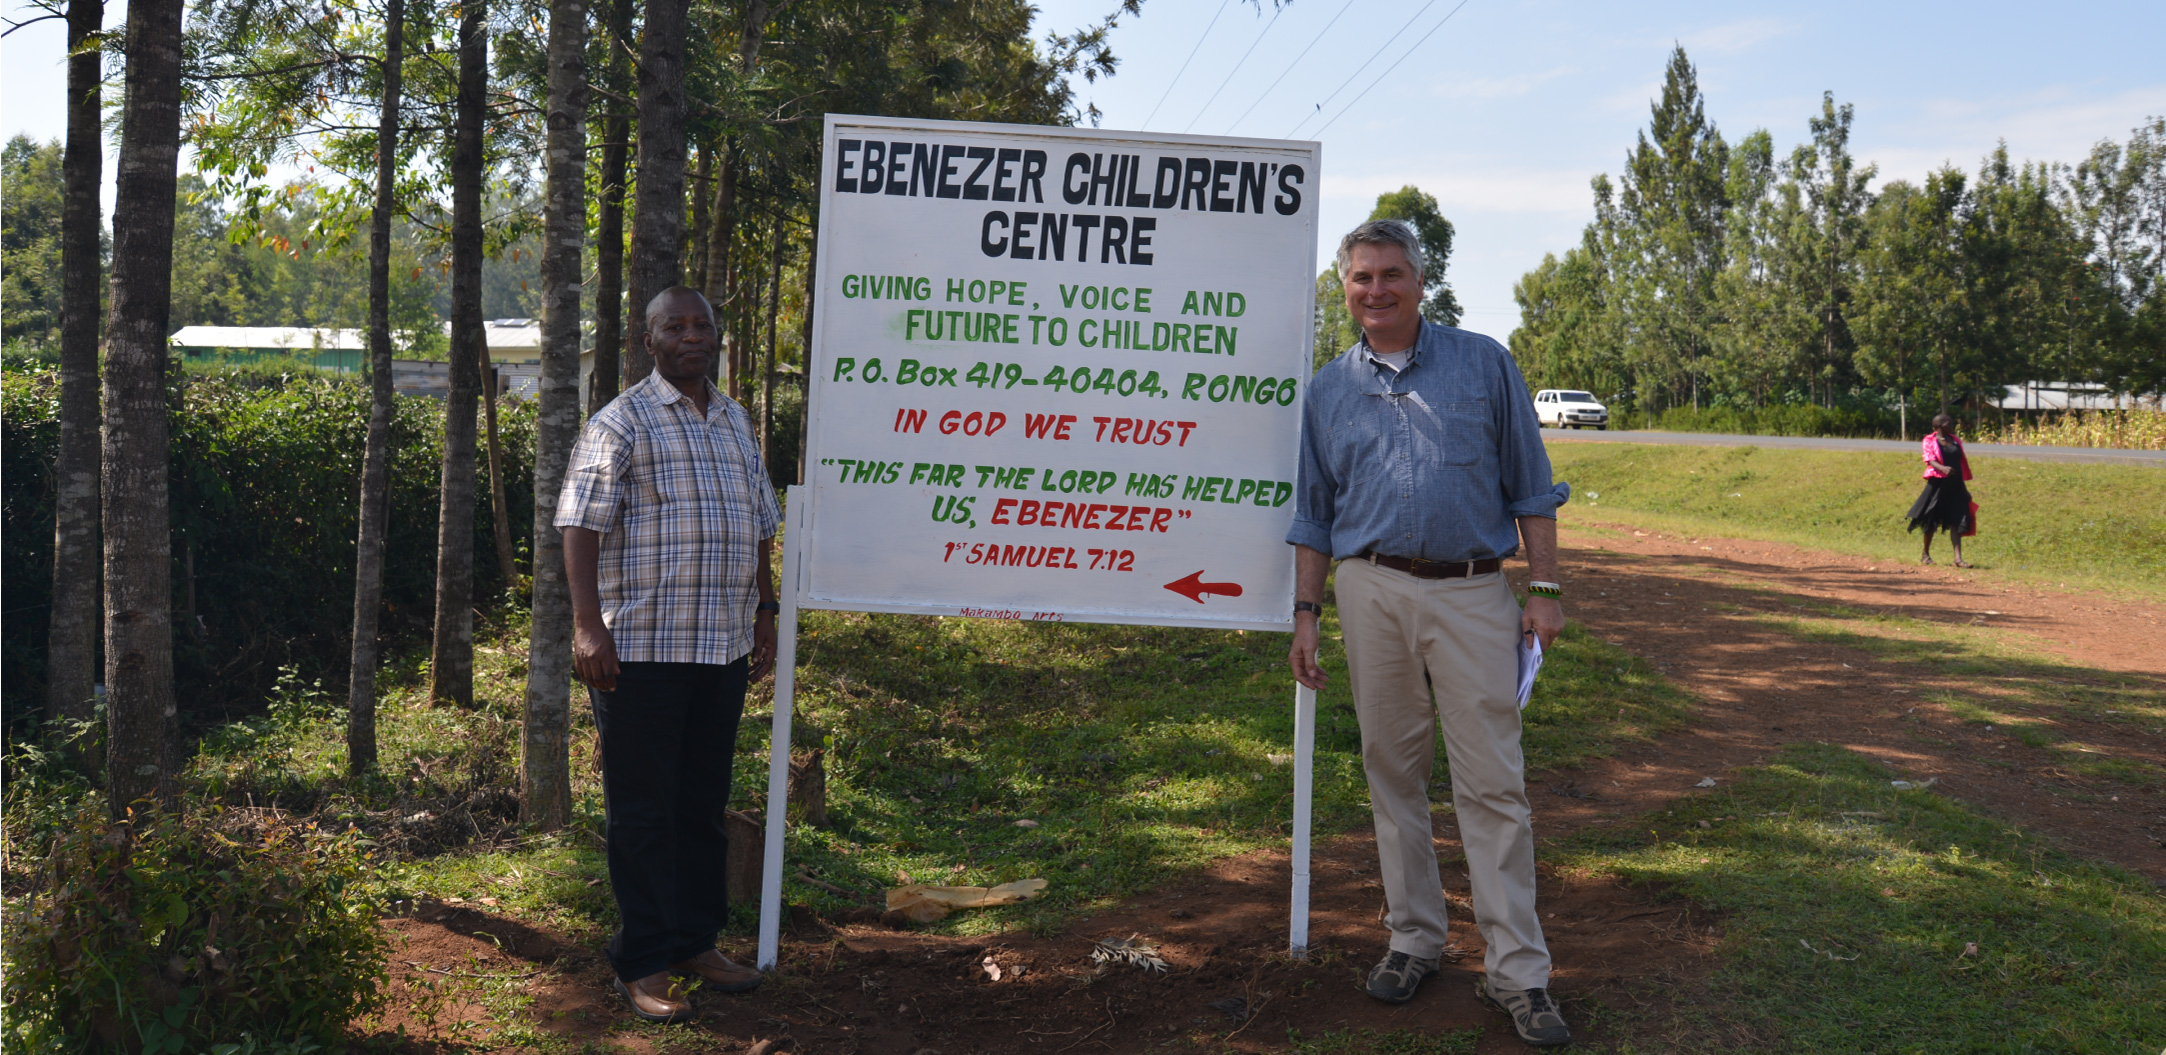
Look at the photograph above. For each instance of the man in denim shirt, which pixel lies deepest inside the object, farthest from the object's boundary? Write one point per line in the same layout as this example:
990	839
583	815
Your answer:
1422	467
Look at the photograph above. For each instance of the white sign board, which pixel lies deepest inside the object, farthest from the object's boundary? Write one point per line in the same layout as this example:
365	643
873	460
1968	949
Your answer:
1056	373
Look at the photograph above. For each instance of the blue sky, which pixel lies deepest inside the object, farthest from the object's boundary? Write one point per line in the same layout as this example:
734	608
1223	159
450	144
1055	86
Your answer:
1512	106
1507	110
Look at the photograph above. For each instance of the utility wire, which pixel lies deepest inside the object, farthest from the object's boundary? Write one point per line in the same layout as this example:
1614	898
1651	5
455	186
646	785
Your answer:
1289	68
1281	9
1387	70
1191	58
1357	69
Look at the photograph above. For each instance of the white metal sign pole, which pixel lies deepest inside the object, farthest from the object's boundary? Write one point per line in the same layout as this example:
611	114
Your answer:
778	762
1304	787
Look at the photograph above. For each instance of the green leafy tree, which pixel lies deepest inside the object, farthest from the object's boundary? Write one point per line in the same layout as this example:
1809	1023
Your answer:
1672	202
1911	289
30	207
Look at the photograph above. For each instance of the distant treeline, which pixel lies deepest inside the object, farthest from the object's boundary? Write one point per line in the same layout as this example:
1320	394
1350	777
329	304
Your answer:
288	264
1721	276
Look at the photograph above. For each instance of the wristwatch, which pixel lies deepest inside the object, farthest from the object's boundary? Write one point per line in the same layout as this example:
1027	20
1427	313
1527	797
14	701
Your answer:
1309	606
770	607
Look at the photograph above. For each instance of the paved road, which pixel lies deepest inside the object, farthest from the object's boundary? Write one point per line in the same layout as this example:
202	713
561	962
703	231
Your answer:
1996	450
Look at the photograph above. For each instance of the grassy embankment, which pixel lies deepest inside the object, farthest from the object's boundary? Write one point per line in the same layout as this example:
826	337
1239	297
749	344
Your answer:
2086	526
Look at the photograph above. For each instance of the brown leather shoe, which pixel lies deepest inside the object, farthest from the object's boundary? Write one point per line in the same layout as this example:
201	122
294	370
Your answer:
719	973
655	998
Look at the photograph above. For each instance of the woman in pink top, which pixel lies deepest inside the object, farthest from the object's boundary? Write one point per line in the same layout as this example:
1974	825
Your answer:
1945	503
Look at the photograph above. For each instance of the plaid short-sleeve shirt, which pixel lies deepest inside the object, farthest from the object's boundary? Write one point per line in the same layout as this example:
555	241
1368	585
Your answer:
681	502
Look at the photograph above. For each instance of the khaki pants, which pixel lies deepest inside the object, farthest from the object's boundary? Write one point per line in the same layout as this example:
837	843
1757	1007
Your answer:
1404	637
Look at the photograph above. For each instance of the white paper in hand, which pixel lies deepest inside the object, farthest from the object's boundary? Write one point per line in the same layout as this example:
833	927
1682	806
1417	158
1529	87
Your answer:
1530	664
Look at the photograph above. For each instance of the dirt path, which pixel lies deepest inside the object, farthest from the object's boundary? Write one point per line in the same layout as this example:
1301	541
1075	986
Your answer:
1708	612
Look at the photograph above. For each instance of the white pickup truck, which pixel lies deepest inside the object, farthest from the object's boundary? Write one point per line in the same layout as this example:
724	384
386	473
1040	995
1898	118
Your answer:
1563	408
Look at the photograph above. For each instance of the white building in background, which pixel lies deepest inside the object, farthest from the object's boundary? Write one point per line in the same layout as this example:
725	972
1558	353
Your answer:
2071	395
514	350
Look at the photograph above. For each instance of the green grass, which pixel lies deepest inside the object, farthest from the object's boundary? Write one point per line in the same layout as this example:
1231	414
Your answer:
2093	526
1141	753
1849	911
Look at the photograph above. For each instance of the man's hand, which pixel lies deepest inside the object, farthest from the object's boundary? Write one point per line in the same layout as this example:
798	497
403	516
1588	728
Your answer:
1302	656
763	646
1545	617
594	655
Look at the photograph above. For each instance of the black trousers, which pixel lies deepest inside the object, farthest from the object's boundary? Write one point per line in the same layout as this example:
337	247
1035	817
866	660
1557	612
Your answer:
668	736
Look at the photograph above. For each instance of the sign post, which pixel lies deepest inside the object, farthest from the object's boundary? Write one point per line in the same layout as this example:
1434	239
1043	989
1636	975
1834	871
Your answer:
1055	375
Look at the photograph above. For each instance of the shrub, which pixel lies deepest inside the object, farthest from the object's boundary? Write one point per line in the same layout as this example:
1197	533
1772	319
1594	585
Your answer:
264	477
1793	419
168	934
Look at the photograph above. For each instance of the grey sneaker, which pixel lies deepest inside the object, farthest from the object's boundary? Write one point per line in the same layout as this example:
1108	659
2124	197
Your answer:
1534	1015
1394	979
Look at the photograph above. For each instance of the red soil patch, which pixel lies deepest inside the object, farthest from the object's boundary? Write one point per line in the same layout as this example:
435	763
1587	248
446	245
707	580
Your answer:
1621	954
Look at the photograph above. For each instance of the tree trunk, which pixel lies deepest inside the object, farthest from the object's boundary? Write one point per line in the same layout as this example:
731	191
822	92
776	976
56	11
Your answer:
138	537
71	651
545	782
507	563
368	565
451	656
767	377
658	199
719	273
696	233
609	267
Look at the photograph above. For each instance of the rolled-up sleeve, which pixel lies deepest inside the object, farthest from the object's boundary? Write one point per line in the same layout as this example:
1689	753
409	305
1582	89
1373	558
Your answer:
1315	490
1523	462
594	488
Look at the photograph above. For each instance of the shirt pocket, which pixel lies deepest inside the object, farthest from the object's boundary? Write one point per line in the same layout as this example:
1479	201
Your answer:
1464	432
1363	441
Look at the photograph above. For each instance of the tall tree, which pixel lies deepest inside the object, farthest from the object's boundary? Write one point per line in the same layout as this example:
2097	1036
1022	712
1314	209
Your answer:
1826	195
71	654
607	378
138	541
1911	288
1673	203
374	523
451	656
658	203
544	767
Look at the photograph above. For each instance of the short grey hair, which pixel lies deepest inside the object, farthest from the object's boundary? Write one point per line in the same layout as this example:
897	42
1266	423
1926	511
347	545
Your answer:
1382	232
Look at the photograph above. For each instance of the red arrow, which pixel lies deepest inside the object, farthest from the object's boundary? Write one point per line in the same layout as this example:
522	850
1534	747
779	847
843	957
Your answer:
1194	588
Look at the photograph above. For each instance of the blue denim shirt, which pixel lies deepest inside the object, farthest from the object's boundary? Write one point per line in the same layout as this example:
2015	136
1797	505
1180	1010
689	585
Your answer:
1434	463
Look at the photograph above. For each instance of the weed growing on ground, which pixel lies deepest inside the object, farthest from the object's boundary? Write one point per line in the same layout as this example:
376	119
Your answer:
1861	918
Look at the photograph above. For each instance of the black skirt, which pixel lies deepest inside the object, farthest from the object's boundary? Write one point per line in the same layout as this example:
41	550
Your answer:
1944	505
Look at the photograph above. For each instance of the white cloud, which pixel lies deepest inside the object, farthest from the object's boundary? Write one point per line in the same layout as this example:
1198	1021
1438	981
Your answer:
1487	189
1737	36
2052	124
1497	87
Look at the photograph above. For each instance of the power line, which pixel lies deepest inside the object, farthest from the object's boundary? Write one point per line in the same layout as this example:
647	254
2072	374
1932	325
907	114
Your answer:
1357	69
1191	58
1289	68
1387	70
1280	10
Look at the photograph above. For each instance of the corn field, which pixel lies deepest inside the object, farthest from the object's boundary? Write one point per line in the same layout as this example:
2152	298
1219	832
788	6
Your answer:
2132	430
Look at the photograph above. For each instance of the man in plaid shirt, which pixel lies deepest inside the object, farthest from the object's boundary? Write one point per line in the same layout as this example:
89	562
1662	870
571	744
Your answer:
668	517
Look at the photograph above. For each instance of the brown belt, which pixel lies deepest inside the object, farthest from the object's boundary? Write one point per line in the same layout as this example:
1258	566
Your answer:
1429	569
